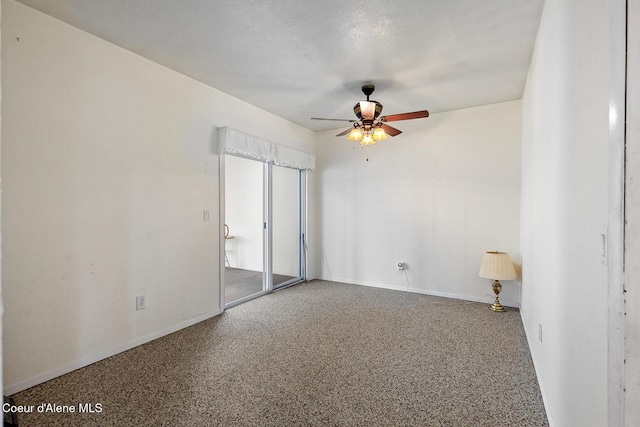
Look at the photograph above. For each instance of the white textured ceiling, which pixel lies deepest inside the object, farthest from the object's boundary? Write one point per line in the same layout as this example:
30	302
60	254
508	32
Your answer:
308	58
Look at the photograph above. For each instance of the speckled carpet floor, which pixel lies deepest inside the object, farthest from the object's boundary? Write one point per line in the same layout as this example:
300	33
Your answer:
316	354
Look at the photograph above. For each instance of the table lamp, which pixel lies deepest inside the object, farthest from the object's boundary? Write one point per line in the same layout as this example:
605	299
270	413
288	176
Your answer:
497	266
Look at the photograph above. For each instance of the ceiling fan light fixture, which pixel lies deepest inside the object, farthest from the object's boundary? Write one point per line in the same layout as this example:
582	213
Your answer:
355	135
379	134
367	139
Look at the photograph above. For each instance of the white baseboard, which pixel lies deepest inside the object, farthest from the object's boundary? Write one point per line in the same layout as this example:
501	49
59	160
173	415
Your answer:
474	298
86	361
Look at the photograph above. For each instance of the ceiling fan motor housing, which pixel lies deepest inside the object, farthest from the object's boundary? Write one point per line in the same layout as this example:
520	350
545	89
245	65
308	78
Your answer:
367	110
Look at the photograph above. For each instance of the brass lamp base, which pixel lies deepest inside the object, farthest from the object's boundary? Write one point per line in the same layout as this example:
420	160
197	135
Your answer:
496	306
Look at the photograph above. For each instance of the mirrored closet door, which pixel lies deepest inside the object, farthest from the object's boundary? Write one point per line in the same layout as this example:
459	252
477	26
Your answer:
286	225
244	233
263	228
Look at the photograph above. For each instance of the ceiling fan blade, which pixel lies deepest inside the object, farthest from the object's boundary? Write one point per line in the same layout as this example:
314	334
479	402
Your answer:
405	116
334	120
391	131
345	132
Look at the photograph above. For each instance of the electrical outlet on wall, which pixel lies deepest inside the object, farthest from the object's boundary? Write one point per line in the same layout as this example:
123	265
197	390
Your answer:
141	302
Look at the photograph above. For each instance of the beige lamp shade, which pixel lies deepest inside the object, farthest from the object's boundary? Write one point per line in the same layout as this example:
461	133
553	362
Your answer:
497	266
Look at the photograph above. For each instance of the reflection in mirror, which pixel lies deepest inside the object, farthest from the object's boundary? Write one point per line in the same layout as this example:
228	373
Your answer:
285	225
244	256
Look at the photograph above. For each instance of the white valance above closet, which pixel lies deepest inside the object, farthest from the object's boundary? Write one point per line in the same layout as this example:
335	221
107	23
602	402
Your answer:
232	141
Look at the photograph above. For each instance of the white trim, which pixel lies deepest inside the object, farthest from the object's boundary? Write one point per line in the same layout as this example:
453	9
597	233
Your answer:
472	298
631	377
614	249
86	361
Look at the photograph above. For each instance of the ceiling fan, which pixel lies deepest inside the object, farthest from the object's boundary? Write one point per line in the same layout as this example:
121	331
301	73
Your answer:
370	125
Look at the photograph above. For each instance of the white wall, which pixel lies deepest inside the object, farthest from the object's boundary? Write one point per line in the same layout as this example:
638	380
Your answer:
436	197
566	194
107	169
